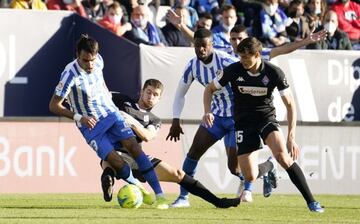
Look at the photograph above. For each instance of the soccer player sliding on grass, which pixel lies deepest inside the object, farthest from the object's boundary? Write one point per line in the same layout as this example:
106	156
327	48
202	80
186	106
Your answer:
146	125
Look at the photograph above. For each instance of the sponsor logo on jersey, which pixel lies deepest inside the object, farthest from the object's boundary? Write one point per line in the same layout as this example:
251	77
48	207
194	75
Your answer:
241	79
253	90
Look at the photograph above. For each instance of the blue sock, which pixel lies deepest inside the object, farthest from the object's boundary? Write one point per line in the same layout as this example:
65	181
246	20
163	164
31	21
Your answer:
248	186
148	172
123	173
189	167
241	177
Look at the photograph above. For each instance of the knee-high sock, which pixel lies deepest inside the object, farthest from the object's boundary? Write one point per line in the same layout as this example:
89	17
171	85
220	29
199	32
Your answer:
146	168
122	173
264	168
297	177
189	167
196	188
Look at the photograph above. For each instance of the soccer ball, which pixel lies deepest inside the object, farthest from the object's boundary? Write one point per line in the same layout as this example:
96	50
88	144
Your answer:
130	196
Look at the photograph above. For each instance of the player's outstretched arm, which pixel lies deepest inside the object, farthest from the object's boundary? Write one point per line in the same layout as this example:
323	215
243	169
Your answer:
178	105
290	47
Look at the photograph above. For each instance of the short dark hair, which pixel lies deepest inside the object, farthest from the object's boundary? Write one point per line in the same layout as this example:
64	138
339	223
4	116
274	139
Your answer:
249	45
202	33
205	15
238	29
88	44
296	3
226	8
154	83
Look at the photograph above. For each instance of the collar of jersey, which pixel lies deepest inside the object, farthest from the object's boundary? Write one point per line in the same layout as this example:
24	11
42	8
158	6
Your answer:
82	71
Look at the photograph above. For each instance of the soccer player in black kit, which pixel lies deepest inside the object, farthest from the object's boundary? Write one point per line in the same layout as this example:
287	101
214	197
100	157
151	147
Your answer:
145	126
253	81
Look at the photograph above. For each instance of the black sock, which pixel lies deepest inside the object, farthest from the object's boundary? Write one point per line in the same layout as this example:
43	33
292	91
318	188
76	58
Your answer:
264	168
196	188
108	171
297	177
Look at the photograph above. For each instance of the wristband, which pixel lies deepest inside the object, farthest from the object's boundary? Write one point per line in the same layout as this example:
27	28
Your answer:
77	117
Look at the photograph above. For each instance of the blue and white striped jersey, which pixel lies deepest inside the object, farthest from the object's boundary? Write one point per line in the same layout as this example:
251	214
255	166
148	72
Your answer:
86	93
205	73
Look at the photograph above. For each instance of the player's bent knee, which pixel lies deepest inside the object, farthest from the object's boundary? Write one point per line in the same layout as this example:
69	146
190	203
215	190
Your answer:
284	160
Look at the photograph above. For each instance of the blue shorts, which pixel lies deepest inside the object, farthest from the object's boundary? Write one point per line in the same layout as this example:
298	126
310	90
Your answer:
223	127
107	134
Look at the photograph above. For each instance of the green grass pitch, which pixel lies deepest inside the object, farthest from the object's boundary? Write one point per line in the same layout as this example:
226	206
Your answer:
90	208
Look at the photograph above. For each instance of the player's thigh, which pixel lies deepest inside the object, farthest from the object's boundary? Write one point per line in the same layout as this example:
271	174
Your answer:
168	173
249	165
102	145
120	132
202	141
277	144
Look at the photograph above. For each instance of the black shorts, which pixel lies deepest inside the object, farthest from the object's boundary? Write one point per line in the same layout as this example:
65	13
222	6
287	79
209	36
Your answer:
133	165
250	138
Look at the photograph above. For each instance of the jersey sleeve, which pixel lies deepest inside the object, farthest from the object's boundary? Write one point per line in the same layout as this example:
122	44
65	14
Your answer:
223	77
119	100
187	77
282	83
64	86
181	90
155	123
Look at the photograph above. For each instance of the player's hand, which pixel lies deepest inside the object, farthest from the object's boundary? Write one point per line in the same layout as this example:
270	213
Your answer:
318	36
175	130
293	149
88	122
208	120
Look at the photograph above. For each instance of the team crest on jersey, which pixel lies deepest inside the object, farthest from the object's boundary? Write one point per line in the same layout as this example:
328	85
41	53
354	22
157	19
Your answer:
60	86
265	80
146	118
219	74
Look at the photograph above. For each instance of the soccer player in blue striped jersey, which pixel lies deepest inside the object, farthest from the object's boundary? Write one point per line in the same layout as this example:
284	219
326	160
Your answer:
98	119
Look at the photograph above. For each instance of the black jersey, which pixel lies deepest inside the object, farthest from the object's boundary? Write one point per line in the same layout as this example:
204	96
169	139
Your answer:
130	106
253	100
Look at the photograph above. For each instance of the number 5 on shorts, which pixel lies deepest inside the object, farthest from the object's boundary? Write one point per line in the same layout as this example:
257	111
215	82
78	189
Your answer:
239	136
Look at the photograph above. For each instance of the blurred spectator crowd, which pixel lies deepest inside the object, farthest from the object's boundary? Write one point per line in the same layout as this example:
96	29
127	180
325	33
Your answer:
172	22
